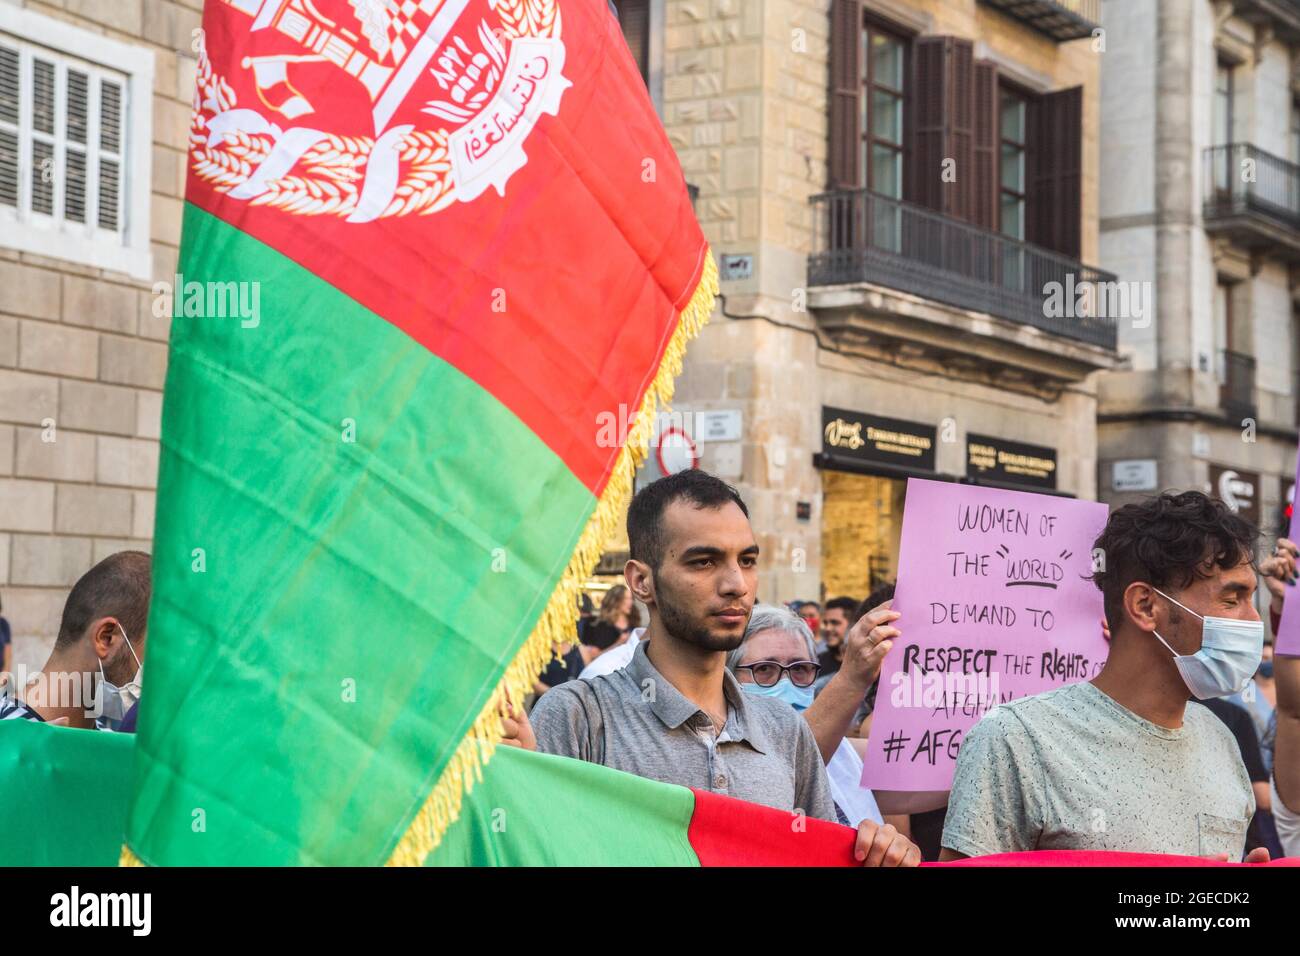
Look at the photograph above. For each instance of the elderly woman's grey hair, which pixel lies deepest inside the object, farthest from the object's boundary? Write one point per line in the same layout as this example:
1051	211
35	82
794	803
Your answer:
767	617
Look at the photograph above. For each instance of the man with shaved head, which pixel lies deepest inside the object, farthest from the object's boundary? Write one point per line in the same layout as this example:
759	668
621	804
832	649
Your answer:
92	676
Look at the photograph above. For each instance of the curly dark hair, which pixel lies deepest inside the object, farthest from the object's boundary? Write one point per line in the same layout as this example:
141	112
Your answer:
1168	539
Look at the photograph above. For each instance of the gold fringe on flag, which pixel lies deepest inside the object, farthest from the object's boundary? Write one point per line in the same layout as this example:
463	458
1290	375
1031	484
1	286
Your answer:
560	618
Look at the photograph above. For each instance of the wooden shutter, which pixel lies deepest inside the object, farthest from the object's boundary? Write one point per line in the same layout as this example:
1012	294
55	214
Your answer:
634	18
943	110
845	159
1056	157
987	148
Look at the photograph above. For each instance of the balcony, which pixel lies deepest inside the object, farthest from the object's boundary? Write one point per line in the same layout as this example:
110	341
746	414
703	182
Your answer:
863	237
1237	393
1253	198
1282	15
1061	20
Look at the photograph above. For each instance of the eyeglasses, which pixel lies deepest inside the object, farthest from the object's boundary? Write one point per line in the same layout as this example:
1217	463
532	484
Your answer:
767	673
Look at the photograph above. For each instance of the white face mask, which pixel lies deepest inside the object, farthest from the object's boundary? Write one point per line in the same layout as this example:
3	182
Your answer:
1229	655
113	702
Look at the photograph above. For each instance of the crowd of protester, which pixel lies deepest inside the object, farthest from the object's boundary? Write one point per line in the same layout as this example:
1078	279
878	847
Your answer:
1186	742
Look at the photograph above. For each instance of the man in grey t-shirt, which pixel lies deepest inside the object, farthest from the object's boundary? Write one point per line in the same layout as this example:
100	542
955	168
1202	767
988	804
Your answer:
1121	762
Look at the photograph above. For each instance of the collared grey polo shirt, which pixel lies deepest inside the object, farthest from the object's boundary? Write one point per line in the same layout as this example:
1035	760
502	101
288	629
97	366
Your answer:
635	720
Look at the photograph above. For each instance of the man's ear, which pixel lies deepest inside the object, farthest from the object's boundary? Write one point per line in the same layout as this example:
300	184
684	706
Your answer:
641	581
1141	606
102	633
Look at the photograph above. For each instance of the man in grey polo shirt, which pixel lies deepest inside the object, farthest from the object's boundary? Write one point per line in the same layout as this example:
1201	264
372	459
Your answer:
674	713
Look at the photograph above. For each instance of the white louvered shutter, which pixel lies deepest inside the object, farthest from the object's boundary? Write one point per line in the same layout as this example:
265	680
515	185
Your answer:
9	129
109	214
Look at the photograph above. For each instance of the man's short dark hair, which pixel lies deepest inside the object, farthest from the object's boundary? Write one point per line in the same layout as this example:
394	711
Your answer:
645	516
846	604
1168	541
117	587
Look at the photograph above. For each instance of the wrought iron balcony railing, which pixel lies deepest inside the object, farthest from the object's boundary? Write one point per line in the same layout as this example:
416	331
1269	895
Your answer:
1237	393
865	237
1242	179
1061	20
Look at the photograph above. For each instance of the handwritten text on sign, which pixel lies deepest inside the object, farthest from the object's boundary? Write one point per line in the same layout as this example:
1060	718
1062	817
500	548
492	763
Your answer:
1288	632
996	604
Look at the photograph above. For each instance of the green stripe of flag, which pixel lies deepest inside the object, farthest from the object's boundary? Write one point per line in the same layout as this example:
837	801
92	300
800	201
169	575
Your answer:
533	809
295	569
65	795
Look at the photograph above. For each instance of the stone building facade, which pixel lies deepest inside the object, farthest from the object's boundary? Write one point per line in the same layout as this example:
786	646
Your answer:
888	329
1201	117
94	115
848	316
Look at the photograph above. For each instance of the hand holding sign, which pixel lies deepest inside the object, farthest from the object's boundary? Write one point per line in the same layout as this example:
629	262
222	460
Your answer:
994	603
1279	570
867	643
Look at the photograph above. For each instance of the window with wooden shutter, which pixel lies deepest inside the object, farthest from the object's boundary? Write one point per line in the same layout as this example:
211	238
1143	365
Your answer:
943	112
61	141
634	18
1055	205
846	43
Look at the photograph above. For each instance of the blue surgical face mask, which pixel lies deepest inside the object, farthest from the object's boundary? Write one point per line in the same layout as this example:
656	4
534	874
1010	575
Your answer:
1229	656
800	698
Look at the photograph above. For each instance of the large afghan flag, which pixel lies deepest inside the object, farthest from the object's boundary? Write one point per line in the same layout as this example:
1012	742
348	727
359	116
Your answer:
530	809
438	268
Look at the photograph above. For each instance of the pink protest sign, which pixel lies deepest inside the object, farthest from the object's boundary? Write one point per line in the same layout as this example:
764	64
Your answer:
1287	640
996	604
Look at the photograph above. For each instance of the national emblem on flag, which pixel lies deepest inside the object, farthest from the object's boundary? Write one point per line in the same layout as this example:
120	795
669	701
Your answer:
472	245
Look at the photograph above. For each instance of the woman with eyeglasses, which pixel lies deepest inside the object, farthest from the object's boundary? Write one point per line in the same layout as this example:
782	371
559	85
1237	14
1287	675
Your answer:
778	658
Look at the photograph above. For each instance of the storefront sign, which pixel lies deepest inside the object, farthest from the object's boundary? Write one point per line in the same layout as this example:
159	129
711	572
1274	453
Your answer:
873	438
1010	462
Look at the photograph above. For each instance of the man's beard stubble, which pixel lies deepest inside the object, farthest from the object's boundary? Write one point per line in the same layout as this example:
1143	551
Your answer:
121	669
690	631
